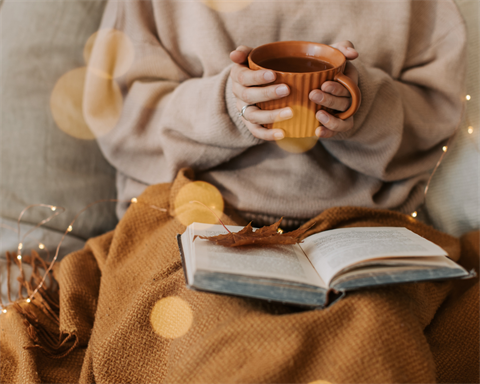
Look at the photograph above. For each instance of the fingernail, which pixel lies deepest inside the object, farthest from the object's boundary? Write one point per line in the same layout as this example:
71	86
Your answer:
269	76
323	118
286	113
282	90
279	135
318	131
318	97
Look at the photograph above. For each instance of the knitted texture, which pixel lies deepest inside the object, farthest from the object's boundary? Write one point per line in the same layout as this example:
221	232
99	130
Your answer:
124	298
179	110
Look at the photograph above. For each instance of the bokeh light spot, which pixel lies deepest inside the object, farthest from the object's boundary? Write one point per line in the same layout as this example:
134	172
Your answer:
297	145
66	103
187	211
227	5
103	103
171	317
302	124
109	53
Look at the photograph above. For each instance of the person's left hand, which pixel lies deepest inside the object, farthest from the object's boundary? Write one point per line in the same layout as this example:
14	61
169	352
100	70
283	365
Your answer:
334	95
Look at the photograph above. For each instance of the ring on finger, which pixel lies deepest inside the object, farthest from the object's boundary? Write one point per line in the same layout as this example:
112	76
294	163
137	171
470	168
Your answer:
244	108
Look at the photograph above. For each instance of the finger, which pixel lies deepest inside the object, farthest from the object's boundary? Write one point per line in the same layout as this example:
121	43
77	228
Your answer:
347	48
334	123
335	89
265	133
246	77
253	95
329	101
255	115
324	133
240	54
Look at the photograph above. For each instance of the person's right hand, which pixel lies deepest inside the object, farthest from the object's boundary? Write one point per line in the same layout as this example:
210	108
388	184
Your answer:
244	81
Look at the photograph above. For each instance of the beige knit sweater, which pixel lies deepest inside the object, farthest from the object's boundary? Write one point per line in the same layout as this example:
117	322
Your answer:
179	111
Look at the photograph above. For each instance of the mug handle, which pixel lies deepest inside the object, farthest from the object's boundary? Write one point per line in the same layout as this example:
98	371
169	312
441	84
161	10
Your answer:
354	92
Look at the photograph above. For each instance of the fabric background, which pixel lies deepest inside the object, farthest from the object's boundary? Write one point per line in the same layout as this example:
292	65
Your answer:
39	163
453	200
109	291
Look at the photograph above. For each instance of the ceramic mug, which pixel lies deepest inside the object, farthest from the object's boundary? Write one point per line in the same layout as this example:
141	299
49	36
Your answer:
303	66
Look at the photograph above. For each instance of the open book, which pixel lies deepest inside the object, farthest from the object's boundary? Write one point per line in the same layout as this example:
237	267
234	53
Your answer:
318	270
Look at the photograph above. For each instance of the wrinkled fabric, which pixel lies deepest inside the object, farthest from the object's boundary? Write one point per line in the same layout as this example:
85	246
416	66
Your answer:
109	290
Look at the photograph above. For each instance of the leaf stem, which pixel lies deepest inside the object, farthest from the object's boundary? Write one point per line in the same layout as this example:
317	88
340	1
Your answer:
213	212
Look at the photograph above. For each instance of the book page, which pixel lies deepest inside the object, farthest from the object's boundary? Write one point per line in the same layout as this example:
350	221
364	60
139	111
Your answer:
285	262
331	251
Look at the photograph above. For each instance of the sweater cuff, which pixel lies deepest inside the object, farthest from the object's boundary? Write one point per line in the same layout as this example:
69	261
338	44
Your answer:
231	103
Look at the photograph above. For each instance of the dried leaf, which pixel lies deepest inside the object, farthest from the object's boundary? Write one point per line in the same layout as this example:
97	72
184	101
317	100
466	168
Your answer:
267	235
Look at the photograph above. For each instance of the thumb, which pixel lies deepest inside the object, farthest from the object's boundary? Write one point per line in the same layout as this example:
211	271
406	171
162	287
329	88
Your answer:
240	54
347	48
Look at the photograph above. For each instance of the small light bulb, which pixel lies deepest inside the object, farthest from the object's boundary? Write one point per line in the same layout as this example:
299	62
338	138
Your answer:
134	200
414	214
53	208
4	310
28	300
41	246
19	257
468	97
470	130
69	229
20	245
444	148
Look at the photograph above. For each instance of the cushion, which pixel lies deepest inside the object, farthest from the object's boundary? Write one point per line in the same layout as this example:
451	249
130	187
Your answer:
47	153
453	201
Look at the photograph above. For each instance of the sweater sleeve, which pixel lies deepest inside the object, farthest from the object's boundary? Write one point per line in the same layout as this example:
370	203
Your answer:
151	117
404	120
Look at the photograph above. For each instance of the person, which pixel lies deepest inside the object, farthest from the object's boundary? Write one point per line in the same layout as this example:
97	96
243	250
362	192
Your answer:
178	70
184	88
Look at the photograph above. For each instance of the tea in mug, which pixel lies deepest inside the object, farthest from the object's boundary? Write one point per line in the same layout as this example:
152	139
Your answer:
295	64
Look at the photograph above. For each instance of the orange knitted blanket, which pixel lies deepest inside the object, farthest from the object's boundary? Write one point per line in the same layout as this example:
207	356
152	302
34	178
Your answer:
125	315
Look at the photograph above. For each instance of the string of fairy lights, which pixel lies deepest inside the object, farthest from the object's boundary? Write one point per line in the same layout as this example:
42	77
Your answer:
56	210
470	131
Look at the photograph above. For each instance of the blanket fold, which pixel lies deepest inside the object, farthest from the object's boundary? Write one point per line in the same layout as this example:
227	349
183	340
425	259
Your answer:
125	299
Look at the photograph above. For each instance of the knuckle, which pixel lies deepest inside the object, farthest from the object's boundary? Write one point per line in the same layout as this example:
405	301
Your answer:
333	124
245	95
273	116
267	92
235	73
235	90
241	77
259	79
238	105
250	116
329	102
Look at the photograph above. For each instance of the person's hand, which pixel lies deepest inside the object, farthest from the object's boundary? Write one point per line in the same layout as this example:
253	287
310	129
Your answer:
334	95
244	81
